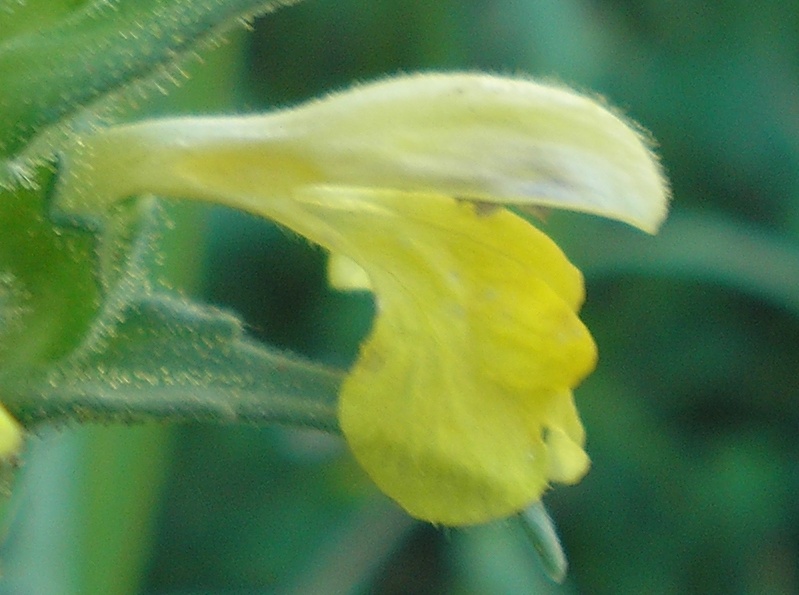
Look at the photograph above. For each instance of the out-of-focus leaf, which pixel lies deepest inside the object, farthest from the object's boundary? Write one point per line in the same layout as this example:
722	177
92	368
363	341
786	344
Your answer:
694	246
120	473
350	558
68	536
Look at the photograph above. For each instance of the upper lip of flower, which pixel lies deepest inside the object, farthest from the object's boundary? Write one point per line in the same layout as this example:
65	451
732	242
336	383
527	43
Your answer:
474	136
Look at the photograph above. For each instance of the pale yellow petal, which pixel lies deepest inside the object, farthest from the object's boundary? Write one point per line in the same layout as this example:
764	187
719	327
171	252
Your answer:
472	136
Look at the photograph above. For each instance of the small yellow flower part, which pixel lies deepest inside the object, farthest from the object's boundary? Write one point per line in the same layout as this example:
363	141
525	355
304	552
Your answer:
345	274
460	405
10	435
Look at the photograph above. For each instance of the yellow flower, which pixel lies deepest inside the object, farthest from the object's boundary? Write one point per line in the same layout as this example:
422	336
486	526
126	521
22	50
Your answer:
460	405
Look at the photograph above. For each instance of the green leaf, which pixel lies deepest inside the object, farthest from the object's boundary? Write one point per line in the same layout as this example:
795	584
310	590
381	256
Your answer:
165	357
52	73
48	291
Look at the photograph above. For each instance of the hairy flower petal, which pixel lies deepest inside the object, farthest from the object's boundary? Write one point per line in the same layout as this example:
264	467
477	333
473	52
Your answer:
472	136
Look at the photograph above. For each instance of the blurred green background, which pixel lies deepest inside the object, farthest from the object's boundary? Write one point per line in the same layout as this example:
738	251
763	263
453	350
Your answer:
692	415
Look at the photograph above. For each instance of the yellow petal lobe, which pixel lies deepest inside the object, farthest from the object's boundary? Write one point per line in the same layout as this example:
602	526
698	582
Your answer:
460	405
